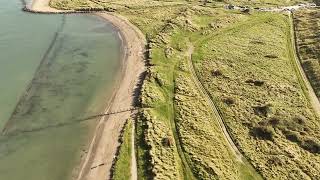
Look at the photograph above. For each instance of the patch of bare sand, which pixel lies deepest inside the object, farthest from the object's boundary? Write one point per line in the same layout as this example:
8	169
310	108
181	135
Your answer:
42	6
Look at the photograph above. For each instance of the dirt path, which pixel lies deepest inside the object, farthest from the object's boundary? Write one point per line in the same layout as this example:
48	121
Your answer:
134	174
304	81
218	117
97	163
214	109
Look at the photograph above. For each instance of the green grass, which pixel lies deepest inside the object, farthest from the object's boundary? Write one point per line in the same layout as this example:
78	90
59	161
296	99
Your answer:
122	167
251	43
263	3
142	149
306	25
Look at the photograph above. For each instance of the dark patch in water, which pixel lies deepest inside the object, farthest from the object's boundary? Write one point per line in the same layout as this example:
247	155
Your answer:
84	54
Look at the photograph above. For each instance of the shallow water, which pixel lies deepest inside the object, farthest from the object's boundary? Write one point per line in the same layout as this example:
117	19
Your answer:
55	70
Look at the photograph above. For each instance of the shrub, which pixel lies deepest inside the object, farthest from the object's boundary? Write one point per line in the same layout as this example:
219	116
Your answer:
255	82
228	100
263	132
167	142
292	136
311	146
271	56
262	110
216	72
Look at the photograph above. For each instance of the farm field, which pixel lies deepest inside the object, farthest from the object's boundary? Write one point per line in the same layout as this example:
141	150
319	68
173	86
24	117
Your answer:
222	98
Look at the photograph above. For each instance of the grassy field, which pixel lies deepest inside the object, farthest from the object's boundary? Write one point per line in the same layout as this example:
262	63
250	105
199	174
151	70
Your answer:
138	4
307	26
260	96
264	3
123	161
246	64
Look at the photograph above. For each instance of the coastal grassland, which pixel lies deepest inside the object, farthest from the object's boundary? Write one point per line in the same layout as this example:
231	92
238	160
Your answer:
248	69
123	163
115	5
245	62
171	97
307	23
265	3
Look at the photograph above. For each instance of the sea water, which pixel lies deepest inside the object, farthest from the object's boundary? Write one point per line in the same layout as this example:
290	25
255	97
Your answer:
55	72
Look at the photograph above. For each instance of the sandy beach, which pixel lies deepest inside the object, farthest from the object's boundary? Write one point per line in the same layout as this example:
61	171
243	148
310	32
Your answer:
105	142
97	162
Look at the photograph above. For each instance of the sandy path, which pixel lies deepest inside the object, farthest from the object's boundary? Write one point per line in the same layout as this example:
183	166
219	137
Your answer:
97	163
134	174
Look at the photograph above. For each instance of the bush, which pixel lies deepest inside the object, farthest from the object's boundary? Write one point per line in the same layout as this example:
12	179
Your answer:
311	146
255	82
167	142
228	100
216	72
262	110
263	132
292	136
271	56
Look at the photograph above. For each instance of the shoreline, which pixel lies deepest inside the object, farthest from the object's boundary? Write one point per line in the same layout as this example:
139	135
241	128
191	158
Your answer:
97	162
132	66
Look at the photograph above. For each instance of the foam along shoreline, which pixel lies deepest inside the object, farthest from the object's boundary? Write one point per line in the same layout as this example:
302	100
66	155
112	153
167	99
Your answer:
104	144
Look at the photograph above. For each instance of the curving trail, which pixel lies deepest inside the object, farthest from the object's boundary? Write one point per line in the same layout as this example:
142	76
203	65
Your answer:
214	109
304	81
97	162
217	115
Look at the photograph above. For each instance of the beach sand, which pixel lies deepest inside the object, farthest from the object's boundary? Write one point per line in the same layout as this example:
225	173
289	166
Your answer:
105	142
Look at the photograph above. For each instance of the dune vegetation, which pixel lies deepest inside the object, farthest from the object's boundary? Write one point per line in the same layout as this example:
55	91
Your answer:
206	64
123	160
307	24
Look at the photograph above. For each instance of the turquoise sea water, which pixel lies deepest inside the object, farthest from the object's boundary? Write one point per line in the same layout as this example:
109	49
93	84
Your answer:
55	70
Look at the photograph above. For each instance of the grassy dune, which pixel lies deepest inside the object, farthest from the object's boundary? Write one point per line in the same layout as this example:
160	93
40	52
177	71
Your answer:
248	70
307	27
264	3
246	64
124	159
138	4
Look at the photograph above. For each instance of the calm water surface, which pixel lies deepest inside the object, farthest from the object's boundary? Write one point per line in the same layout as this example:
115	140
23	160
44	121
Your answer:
55	70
